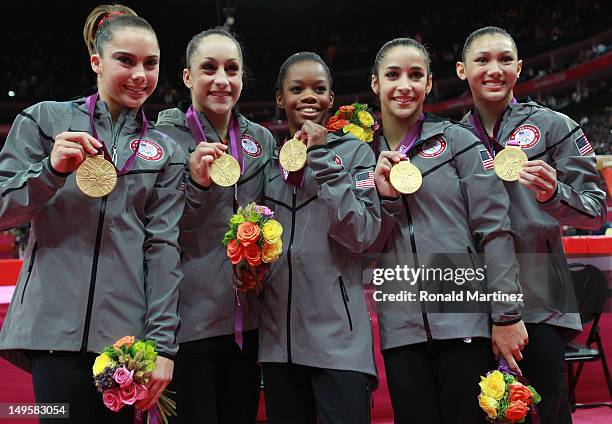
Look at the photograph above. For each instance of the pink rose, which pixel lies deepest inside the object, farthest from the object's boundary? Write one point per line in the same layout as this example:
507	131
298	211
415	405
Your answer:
128	394
141	391
123	377
111	400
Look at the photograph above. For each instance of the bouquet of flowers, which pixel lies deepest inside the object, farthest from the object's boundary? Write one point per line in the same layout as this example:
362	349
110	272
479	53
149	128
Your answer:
254	237
121	373
505	396
355	119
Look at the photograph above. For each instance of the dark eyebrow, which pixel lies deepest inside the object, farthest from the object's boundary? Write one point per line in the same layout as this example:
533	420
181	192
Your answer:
123	53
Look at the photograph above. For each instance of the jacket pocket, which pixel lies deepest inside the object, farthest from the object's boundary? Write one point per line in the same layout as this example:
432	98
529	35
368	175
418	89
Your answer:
556	289
345	300
30	266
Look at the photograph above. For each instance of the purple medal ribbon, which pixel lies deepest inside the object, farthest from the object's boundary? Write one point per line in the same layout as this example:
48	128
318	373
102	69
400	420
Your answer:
238	321
295	178
411	136
91	106
197	131
490	143
139	415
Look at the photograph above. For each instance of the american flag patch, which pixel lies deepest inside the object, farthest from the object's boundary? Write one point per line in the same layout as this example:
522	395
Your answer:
364	180
487	160
584	147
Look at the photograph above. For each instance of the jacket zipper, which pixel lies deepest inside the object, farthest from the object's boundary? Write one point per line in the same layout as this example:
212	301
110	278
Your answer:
345	300
94	272
293	202
416	264
30	266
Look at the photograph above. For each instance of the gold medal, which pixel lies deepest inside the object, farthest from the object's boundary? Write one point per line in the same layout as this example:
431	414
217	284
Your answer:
225	170
405	177
509	162
292	156
96	177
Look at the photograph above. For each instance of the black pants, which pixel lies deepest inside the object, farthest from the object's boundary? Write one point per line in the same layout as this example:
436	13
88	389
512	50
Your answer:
216	382
543	365
296	394
66	377
438	383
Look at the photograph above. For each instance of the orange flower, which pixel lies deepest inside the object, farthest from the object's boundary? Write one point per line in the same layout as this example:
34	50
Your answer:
346	111
127	340
252	254
516	411
519	392
234	251
248	233
335	123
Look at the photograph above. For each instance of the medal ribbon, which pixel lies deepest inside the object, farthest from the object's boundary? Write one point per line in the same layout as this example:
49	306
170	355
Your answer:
411	136
197	131
129	164
492	145
295	178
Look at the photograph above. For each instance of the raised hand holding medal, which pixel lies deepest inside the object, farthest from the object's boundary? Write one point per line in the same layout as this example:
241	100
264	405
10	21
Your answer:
97	175
210	162
404	176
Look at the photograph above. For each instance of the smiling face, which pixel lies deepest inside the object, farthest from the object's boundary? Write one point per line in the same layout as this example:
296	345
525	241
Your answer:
127	69
402	82
491	68
305	94
215	75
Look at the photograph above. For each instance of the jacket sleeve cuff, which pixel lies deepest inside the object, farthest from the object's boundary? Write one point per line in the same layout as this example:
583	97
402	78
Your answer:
391	206
166	355
505	320
196	185
553	197
55	172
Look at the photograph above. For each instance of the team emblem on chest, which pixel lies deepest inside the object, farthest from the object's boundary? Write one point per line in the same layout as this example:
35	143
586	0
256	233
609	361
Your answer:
338	160
432	148
527	135
147	150
250	146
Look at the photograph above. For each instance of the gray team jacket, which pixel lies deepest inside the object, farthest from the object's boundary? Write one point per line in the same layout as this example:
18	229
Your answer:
457	219
206	305
96	269
312	308
579	201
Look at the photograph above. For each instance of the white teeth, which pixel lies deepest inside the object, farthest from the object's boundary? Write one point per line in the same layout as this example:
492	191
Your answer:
404	99
309	110
493	83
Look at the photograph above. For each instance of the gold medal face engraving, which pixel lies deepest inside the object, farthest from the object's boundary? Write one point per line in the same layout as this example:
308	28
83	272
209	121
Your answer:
292	156
96	177
225	171
509	162
405	177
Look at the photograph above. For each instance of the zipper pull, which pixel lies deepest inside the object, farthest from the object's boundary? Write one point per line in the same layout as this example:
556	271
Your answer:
114	154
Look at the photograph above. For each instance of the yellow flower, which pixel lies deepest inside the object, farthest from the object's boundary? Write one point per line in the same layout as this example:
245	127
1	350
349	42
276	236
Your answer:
369	135
102	361
356	130
493	385
365	118
271	251
488	404
272	230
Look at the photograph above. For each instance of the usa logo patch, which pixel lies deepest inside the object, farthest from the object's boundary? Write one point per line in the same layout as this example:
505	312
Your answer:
527	135
584	147
147	150
338	160
250	146
433	148
487	160
365	180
